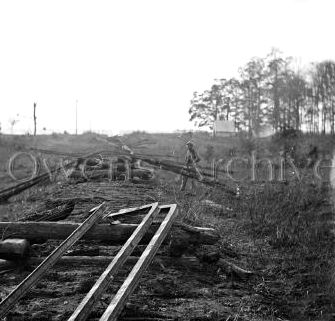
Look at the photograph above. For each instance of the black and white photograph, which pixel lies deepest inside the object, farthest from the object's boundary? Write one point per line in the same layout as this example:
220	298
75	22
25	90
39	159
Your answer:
167	160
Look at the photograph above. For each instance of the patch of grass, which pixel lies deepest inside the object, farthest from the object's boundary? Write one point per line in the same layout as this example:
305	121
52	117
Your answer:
295	220
288	215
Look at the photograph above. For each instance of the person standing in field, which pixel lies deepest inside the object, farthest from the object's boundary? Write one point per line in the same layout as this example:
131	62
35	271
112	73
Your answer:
191	160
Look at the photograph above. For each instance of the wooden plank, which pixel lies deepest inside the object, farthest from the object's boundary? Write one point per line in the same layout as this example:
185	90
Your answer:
36	275
85	306
129	285
126	211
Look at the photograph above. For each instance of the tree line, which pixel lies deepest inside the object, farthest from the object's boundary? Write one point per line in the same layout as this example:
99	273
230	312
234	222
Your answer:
271	91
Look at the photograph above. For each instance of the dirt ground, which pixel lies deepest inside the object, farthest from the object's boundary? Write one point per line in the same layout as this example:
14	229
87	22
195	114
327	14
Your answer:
291	279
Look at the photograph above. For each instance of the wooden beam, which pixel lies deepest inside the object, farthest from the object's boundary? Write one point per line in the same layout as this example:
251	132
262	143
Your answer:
234	270
37	274
85	306
127	211
129	285
71	261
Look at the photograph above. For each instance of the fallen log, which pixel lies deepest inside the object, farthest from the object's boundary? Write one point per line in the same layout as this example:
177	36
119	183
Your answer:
195	235
82	261
14	249
233	270
7	193
114	234
227	267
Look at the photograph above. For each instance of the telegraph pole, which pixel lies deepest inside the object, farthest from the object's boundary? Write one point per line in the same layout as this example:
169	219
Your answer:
34	119
76	116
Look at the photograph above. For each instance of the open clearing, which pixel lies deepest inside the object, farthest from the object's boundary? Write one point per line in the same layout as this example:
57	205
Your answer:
282	231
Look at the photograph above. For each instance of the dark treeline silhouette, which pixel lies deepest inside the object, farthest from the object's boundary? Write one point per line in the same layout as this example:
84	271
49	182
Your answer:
271	91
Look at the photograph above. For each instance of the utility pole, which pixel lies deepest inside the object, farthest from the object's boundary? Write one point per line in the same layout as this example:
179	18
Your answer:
34	119
76	116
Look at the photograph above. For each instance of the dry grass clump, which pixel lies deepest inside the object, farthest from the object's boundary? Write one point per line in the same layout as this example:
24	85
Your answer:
290	215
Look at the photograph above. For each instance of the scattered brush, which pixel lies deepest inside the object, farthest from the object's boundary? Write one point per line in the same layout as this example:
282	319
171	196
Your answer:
294	219
51	212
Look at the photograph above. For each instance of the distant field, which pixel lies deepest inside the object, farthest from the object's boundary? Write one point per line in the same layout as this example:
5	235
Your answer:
161	145
281	230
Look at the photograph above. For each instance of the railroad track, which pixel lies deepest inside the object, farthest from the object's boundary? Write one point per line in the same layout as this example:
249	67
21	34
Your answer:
115	307
154	160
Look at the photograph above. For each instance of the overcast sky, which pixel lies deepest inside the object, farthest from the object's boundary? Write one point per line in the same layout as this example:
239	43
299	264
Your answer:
135	64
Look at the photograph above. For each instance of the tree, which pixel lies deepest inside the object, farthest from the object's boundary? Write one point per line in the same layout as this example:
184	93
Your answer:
269	90
295	89
253	83
206	107
324	83
275	82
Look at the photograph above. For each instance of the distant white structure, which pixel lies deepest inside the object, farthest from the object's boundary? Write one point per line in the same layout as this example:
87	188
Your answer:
224	128
263	131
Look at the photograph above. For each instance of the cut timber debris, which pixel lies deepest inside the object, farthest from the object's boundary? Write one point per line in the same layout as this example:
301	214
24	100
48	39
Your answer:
229	268
37	274
111	234
57	213
71	261
7	193
234	270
